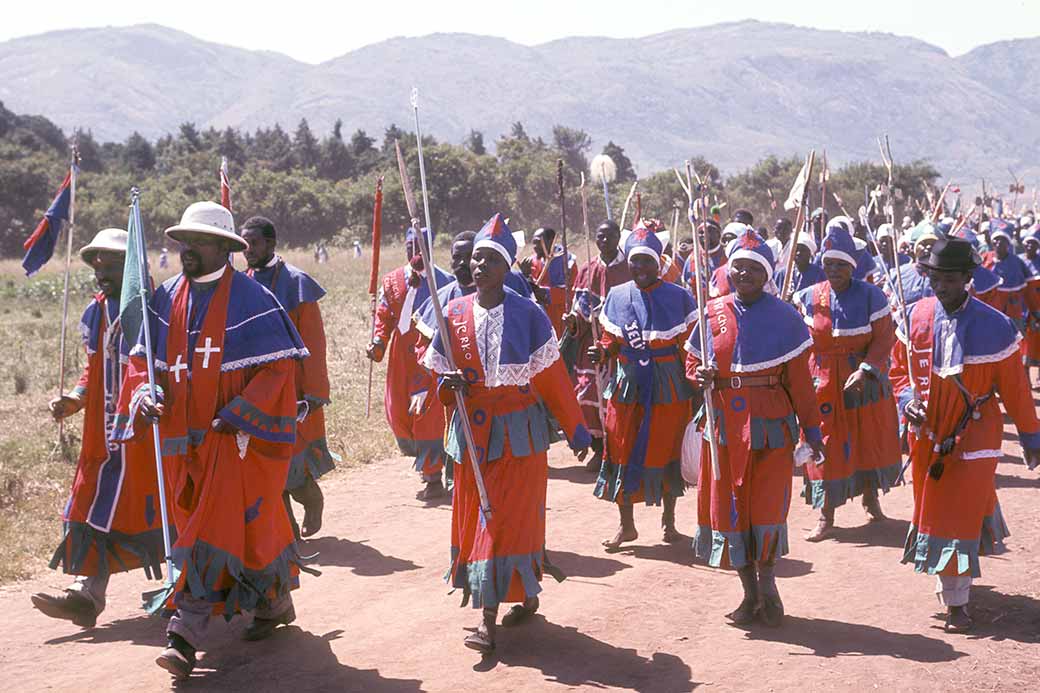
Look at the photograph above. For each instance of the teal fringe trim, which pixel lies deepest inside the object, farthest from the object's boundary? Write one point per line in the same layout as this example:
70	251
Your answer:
610	482
421	450
530	431
203	564
80	538
741	548
994	532
486	582
932	554
314	461
835	492
669	378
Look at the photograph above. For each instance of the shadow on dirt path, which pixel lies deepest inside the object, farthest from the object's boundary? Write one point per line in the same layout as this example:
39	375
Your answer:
569	657
363	559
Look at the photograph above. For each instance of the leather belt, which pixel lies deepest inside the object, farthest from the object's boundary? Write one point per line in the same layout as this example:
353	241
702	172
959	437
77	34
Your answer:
738	382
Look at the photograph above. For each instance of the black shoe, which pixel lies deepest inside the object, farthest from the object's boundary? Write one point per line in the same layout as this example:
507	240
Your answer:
178	658
262	628
313	501
70	606
595	462
772	610
432	491
958	620
745	613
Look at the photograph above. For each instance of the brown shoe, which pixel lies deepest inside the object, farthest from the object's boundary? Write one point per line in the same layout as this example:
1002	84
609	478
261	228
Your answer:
262	628
70	606
824	530
958	620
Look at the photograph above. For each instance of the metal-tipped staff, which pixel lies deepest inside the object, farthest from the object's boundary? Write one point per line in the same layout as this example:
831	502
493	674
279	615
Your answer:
593	321
73	171
604	171
797	230
700	277
143	287
425	247
373	278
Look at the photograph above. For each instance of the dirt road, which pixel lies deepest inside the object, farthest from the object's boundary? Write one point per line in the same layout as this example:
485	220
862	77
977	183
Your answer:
644	619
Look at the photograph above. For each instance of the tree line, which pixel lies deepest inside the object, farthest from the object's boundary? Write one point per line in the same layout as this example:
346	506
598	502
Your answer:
321	188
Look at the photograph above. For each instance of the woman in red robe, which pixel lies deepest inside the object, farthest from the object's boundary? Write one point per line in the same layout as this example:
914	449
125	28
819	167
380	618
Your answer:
762	392
969	353
645	322
852	330
507	365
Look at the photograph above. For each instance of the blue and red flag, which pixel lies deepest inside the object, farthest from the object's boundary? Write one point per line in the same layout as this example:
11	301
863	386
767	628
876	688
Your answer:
39	247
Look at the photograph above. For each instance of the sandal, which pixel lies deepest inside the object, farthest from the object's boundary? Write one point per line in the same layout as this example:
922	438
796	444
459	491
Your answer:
480	642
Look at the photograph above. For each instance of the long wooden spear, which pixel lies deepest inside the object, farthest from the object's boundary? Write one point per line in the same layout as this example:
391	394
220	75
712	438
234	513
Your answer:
700	277
426	248
593	321
373	277
563	235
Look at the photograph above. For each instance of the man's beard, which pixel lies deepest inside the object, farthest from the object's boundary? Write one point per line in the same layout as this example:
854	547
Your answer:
261	263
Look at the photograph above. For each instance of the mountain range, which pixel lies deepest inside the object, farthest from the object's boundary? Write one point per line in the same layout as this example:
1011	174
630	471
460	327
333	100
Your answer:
729	92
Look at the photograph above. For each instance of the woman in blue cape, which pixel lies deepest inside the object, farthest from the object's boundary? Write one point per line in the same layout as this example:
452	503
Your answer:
645	322
758	366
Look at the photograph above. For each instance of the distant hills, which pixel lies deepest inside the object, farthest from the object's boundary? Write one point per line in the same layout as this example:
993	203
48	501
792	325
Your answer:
729	92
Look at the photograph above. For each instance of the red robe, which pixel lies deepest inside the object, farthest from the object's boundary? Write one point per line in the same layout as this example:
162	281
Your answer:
418	435
235	546
648	401
112	520
557	293
742	515
512	361
299	295
861	434
595	280
980	346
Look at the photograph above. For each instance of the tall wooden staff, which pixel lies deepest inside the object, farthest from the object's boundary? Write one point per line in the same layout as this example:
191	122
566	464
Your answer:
799	220
700	277
628	201
73	171
563	235
425	247
373	278
593	321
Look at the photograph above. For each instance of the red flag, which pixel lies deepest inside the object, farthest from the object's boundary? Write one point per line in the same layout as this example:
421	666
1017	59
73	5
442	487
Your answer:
225	185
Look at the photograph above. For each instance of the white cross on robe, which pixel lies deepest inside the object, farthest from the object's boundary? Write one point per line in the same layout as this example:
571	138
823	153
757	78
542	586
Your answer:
206	351
178	366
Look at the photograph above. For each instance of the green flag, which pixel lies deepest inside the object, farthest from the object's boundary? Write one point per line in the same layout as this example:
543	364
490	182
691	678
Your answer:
135	275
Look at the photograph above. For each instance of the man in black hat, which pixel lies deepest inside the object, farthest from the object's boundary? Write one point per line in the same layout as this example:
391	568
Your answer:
963	353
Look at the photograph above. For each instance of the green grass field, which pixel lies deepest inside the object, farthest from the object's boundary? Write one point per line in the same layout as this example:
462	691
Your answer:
35	473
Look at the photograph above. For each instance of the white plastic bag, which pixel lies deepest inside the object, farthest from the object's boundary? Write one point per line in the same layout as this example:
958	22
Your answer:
691	453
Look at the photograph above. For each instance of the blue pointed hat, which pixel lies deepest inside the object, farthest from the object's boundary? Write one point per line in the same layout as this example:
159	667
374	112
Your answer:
643	241
497	236
750	246
412	235
998	228
839	244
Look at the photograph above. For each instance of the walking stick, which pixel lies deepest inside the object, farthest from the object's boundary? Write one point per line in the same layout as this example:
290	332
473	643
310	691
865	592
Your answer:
73	171
628	201
702	321
799	220
425	247
593	321
373	279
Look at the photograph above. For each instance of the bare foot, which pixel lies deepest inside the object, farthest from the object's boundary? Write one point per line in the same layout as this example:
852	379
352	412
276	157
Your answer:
622	536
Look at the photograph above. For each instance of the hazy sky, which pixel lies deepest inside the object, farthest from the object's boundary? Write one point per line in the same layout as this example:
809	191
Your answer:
314	31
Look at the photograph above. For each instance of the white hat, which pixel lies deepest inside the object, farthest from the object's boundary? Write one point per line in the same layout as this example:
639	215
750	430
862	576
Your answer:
886	231
807	240
207	219
733	229
113	240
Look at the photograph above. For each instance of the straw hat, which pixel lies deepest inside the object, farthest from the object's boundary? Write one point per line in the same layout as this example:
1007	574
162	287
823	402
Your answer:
112	240
207	219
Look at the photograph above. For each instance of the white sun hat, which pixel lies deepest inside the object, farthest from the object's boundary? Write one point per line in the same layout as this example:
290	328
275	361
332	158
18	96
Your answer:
112	240
207	219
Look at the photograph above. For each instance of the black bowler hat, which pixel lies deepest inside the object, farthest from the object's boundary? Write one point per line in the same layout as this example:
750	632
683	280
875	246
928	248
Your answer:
952	255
